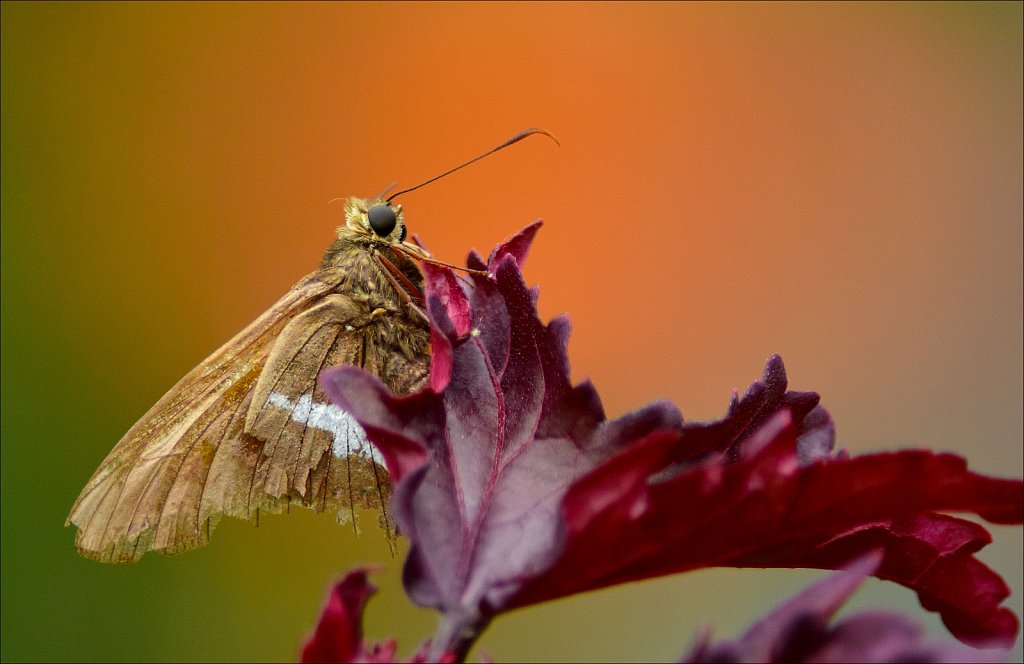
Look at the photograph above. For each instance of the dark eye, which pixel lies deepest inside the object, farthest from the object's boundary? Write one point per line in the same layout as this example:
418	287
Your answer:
401	236
382	220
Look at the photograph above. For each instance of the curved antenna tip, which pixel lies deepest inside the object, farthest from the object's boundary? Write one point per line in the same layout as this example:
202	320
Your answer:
534	130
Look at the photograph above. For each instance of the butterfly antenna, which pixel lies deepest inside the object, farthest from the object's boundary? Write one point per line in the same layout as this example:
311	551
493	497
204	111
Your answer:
515	139
379	196
386	190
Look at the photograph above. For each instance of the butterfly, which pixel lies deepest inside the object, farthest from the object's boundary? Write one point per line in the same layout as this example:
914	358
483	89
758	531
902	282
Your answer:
250	429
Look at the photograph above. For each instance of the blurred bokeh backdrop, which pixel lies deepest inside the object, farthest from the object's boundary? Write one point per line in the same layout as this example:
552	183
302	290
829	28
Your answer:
840	184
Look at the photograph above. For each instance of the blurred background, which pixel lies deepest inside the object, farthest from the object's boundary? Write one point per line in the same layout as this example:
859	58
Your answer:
839	184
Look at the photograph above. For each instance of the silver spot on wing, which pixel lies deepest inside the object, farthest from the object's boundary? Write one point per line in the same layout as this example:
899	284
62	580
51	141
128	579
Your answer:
348	436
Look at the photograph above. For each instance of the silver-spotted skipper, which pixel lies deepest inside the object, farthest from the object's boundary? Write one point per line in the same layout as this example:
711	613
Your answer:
250	429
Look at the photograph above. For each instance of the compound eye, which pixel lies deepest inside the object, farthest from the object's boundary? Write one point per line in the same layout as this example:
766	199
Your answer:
401	236
382	219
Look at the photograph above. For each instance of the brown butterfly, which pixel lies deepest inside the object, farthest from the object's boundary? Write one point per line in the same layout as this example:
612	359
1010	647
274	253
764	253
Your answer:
250	428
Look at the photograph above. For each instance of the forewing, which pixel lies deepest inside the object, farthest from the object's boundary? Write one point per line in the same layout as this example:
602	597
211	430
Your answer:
188	459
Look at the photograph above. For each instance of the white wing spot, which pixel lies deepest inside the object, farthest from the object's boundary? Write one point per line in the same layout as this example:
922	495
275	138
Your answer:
349	437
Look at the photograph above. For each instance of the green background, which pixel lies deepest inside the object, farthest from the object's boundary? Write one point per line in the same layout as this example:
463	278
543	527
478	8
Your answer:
840	184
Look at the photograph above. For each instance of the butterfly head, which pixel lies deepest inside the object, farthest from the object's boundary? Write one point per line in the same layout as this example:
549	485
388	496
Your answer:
376	217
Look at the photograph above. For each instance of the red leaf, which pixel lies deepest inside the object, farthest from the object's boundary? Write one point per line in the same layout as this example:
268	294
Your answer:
514	489
933	554
798	630
338	636
767	510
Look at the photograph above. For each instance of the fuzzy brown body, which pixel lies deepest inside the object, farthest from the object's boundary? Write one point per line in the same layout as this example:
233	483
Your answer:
250	428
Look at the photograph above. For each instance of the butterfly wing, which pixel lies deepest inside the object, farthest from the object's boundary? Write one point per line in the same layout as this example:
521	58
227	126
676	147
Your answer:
207	449
304	434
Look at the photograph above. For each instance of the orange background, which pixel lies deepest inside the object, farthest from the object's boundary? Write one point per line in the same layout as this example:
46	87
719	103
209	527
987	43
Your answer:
840	184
